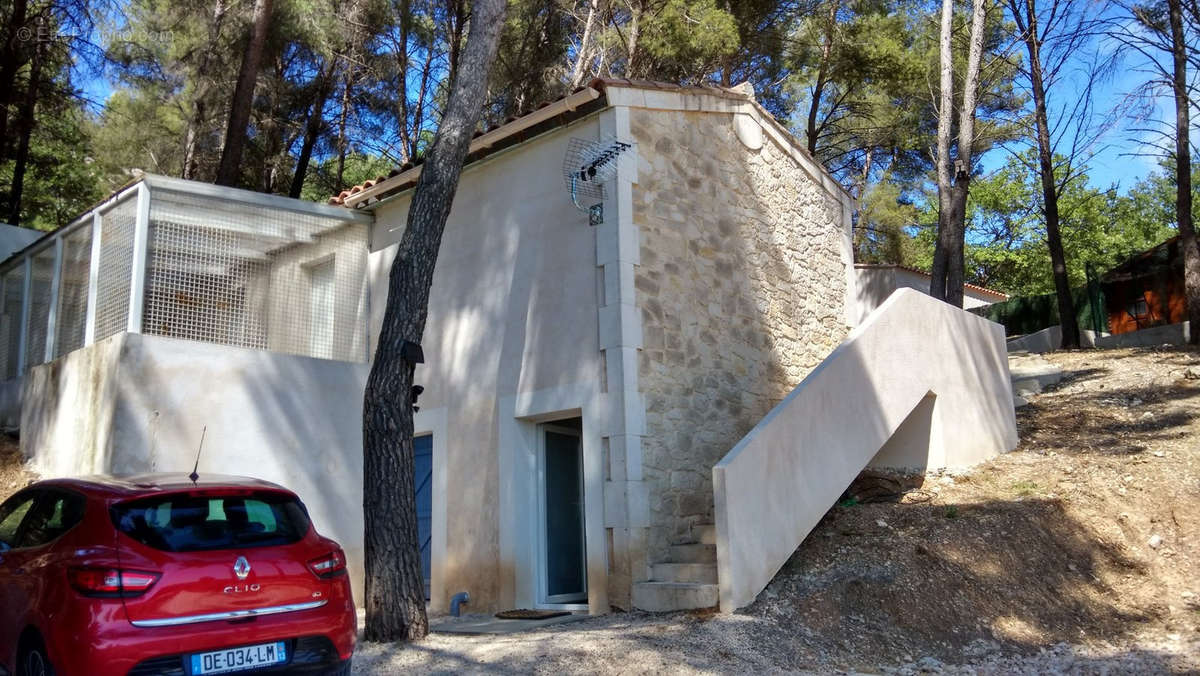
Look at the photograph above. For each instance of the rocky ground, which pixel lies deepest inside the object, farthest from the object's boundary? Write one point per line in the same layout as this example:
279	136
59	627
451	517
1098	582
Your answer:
1078	553
13	475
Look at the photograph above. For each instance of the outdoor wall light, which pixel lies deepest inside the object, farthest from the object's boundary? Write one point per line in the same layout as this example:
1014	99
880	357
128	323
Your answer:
416	392
412	353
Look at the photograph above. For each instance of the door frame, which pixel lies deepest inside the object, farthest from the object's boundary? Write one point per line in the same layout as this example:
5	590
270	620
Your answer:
558	601
433	421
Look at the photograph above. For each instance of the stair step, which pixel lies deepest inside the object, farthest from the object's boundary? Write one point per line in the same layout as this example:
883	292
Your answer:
701	573
706	534
667	596
695	553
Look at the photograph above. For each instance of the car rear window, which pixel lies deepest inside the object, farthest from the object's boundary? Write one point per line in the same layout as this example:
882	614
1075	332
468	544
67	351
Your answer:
189	523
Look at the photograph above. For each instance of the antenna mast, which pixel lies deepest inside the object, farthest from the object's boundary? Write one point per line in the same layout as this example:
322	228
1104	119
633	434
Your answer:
195	476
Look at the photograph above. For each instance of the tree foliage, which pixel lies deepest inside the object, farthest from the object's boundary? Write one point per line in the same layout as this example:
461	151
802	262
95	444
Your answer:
1006	248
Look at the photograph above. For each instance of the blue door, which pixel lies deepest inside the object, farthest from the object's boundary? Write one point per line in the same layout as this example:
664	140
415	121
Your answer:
423	476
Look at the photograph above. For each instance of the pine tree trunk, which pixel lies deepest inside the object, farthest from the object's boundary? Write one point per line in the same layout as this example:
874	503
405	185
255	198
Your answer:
1183	171
944	243
955	252
199	116
811	131
1058	261
11	62
312	130
25	131
243	96
395	590
402	63
458	21
952	242
585	46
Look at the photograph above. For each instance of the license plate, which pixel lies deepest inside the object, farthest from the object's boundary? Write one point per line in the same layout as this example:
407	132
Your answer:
239	659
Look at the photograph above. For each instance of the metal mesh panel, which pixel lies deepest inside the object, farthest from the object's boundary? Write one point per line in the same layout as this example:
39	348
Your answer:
252	276
39	307
73	290
116	266
10	318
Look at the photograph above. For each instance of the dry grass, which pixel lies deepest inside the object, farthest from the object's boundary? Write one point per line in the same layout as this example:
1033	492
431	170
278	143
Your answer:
13	475
1047	544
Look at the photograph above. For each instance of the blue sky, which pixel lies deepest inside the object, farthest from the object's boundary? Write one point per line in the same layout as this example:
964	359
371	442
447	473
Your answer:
1120	160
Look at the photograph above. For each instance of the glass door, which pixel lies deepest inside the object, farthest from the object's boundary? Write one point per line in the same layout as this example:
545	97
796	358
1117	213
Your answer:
563	573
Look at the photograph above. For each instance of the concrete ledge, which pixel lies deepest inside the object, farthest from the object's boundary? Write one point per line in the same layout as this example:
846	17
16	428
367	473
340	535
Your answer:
1171	334
136	403
492	625
1050	339
658	597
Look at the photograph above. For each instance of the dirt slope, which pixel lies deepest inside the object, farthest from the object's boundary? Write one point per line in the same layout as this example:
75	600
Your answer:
1088	534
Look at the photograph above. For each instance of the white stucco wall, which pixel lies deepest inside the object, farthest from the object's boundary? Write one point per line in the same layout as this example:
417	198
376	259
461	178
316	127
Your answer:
133	403
288	294
877	282
512	339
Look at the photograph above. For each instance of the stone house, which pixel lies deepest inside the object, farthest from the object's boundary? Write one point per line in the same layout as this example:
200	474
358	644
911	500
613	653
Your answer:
600	371
720	276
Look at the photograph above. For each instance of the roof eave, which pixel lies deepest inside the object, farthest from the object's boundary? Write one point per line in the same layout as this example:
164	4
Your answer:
367	197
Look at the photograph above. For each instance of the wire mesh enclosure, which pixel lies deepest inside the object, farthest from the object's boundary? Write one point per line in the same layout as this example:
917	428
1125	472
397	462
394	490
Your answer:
196	262
73	290
41	278
245	275
10	318
116	266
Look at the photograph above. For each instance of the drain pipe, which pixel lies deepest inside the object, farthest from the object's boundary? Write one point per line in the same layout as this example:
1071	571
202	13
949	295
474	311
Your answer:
457	600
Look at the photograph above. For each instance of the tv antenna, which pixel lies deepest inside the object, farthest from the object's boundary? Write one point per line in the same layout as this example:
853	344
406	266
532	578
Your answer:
588	165
195	476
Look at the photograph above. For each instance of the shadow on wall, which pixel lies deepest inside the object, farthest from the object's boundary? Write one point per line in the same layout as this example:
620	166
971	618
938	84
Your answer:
513	308
134	404
742	290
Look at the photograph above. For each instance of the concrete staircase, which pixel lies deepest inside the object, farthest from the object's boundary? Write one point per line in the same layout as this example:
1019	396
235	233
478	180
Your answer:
919	384
686	580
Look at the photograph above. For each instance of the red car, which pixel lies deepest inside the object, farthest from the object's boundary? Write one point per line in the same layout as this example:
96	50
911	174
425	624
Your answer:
159	574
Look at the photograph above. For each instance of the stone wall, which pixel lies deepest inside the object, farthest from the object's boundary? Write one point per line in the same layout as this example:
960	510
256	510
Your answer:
742	289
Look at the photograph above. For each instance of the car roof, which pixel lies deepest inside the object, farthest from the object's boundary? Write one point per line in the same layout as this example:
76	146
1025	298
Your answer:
122	486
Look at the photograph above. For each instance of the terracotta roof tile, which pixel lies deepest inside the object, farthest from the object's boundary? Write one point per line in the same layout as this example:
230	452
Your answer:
968	285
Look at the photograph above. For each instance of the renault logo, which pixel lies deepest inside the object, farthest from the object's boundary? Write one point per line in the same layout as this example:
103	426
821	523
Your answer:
241	568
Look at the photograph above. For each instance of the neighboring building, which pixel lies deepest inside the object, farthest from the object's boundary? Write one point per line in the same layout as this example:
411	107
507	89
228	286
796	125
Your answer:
14	238
876	282
587	371
1147	290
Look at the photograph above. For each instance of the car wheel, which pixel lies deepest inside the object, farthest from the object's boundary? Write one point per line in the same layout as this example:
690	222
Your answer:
342	669
34	661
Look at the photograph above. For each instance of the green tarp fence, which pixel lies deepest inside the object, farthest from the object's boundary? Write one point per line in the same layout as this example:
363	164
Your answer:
1026	314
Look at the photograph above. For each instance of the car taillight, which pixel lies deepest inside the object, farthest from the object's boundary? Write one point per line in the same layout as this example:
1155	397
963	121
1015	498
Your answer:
111	581
330	565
